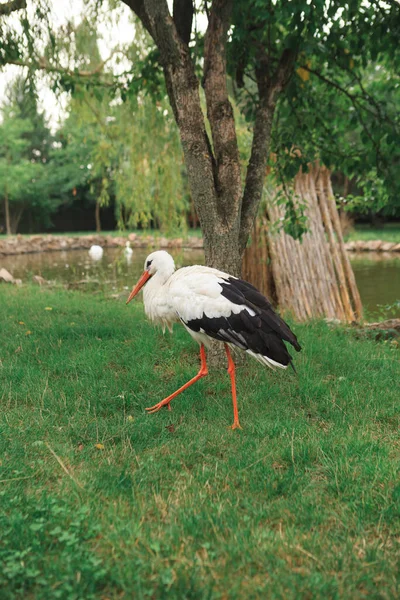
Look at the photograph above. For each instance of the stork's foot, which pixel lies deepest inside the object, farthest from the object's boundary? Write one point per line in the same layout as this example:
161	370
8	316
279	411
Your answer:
236	425
158	406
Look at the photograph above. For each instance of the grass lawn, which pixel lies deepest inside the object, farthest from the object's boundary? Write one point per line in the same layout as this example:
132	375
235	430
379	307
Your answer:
100	500
389	233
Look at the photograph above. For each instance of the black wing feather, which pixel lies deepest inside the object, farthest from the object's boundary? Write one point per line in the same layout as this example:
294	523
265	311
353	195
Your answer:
262	332
239	291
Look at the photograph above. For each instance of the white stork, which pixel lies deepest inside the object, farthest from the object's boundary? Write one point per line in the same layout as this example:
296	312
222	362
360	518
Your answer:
212	304
128	250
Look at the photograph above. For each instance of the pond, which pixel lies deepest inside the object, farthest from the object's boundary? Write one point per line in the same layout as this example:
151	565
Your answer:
114	272
378	279
377	274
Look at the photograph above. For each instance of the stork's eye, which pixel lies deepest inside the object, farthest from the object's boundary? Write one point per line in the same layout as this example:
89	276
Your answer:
148	264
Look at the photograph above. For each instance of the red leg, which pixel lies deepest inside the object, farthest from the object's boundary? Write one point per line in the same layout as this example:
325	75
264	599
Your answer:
231	371
202	373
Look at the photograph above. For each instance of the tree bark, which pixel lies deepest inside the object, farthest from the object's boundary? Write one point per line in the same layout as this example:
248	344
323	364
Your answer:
269	87
97	217
15	218
222	231
7	214
9	7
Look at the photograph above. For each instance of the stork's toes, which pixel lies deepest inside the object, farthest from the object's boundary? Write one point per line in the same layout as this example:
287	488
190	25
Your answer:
157	407
235	426
154	409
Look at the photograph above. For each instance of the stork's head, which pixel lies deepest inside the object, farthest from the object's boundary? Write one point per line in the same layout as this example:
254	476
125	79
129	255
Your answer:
160	263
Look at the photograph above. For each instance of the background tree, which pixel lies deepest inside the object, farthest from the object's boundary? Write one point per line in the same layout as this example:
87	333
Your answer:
24	152
127	153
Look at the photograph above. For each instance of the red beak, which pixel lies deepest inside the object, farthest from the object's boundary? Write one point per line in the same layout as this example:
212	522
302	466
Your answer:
146	275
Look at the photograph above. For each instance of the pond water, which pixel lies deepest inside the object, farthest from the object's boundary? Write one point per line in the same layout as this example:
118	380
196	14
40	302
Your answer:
378	279
114	272
377	274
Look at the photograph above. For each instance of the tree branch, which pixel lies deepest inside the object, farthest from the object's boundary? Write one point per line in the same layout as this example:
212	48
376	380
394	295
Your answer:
355	102
138	8
366	96
183	12
353	97
43	64
327	150
9	7
268	90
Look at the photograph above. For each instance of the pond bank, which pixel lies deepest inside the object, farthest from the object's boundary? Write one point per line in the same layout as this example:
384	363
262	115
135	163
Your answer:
372	246
49	243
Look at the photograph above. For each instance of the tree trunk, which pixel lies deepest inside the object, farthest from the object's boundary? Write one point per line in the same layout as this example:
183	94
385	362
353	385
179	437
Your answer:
97	217
7	214
225	211
15	218
221	250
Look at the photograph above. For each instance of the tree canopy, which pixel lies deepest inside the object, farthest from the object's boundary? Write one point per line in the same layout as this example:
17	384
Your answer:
315	80
24	151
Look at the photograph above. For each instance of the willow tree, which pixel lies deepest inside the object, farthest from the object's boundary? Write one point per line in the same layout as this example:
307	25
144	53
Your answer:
150	185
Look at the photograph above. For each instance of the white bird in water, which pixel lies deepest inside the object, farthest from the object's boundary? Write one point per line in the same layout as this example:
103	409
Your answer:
96	252
212	304
128	250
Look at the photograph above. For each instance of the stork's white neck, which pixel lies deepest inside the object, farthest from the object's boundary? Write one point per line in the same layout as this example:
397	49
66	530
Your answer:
154	287
155	297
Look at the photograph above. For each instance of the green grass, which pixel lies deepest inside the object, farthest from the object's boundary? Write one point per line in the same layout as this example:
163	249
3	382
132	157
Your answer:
389	233
304	502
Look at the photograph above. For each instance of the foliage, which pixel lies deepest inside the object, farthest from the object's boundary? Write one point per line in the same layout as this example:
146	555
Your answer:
25	143
124	152
20	179
150	180
305	497
341	103
129	153
356	133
